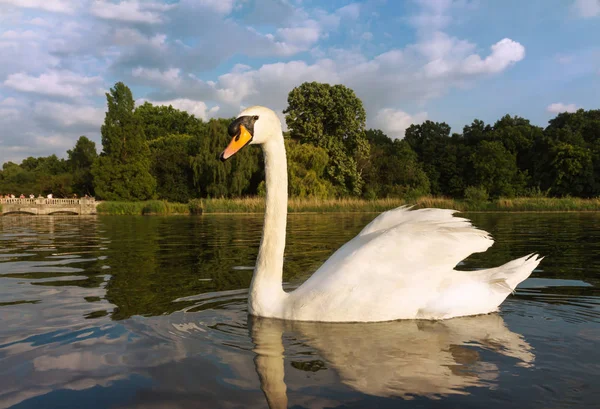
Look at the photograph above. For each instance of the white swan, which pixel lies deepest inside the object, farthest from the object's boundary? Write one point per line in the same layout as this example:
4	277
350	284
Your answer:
400	266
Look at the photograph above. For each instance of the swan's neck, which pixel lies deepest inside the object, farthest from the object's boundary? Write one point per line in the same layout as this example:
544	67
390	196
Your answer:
266	292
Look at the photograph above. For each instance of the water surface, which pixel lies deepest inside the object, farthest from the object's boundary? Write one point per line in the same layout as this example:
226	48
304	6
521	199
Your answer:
132	312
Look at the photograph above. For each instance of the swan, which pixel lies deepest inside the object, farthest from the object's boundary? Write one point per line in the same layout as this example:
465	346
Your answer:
400	266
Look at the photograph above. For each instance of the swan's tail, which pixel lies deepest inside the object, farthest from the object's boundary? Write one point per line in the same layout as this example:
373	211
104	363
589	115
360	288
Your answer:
509	275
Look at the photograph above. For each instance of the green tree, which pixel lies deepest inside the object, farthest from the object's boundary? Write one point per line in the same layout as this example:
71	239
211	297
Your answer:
171	167
519	137
333	118
306	164
160	120
496	170
394	169
122	172
430	140
573	170
81	159
583	130
233	178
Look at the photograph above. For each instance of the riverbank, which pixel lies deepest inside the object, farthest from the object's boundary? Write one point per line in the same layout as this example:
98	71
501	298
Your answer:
256	205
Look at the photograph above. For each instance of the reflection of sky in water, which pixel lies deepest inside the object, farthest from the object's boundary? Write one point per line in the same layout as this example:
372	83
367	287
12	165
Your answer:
185	341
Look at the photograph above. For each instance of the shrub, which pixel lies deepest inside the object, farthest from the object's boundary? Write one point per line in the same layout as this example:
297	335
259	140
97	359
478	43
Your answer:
475	194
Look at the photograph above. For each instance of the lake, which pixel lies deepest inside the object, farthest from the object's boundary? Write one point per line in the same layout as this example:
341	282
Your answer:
132	312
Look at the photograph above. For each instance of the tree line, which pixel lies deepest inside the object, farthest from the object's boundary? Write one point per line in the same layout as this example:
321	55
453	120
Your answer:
152	151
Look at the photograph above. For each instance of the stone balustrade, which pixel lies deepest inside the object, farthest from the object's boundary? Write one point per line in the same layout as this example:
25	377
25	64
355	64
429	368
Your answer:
46	206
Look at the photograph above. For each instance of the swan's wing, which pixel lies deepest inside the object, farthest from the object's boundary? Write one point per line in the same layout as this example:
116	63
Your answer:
404	215
400	248
401	265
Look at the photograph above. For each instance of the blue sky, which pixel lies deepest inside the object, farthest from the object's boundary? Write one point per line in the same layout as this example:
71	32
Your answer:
443	60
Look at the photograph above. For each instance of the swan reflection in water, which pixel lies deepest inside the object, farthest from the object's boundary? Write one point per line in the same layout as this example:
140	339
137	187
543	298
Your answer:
392	359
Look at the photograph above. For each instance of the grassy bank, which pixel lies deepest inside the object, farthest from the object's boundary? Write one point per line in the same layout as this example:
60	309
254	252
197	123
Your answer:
256	205
161	207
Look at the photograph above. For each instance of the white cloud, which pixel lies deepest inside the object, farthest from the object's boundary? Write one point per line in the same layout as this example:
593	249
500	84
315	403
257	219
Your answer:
270	84
60	6
69	115
169	78
170	52
417	73
129	10
433	16
56	83
38	21
197	108
394	122
587	8
367	36
559	107
132	37
19	35
301	37
504	53
9	113
220	6
10	102
351	11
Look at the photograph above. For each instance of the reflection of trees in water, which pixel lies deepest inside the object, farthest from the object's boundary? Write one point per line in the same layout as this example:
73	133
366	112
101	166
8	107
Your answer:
570	241
157	261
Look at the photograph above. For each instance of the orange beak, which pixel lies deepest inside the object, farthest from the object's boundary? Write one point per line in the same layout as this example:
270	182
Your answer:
237	142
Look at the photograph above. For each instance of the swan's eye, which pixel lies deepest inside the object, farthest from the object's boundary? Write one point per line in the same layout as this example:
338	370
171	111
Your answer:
255	117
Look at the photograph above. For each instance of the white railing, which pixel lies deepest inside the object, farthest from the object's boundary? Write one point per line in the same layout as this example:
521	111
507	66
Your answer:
46	201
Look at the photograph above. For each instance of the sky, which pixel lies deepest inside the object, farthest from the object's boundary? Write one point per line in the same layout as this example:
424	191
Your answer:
408	61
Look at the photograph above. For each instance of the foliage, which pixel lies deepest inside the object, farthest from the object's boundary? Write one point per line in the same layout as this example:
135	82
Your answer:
161	152
170	166
394	170
161	207
37	176
214	178
312	205
475	194
122	172
496	169
195	206
81	159
159	121
306	164
333	118
430	141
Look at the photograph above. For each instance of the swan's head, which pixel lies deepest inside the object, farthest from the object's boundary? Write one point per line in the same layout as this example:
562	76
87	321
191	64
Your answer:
253	126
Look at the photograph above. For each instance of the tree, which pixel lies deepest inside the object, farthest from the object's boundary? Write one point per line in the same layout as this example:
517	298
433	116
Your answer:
395	170
496	170
122	172
171	167
430	141
476	132
333	118
573	169
519	137
233	178
81	159
159	121
306	170
585	127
